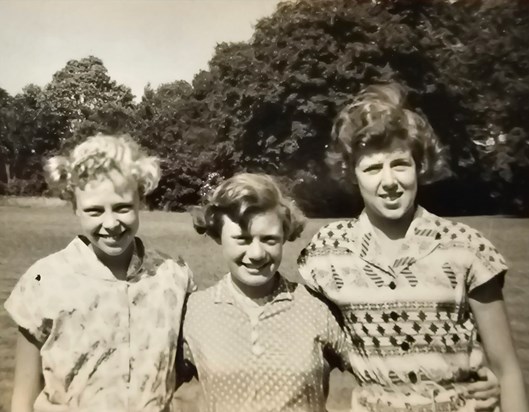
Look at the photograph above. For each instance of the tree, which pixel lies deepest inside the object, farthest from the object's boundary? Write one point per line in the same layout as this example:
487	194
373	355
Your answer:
30	130
172	124
83	93
275	97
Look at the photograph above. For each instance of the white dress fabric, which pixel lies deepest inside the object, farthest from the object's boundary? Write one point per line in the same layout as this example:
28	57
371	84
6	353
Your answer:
106	344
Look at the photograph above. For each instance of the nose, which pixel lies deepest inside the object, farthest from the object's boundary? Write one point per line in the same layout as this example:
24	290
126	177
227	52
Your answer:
110	222
256	251
388	180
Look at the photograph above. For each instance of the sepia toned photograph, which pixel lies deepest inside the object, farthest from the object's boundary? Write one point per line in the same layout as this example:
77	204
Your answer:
264	205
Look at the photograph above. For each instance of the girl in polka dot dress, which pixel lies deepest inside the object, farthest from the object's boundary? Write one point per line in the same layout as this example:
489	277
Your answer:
99	320
421	296
257	341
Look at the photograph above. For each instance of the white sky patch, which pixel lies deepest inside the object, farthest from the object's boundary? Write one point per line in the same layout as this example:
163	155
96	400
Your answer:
139	42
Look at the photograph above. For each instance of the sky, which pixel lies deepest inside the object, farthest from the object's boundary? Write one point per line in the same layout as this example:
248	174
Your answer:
140	42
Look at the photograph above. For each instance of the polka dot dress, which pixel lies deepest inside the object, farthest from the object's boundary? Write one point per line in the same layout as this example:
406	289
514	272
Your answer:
107	345
270	362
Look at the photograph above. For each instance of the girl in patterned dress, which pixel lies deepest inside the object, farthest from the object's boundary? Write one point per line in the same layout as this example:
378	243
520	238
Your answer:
257	341
421	296
99	320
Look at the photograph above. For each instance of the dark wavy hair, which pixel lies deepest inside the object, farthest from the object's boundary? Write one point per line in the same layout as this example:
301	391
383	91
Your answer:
240	198
375	118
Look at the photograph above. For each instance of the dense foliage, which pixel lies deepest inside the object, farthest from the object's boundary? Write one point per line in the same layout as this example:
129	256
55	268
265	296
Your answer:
268	104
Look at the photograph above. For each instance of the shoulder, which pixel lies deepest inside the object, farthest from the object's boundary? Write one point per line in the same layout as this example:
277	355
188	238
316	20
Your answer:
53	264
333	237
336	230
459	234
311	301
204	297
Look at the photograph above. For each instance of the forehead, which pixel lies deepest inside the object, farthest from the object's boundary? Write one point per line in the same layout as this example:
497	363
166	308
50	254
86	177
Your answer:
265	223
107	189
397	149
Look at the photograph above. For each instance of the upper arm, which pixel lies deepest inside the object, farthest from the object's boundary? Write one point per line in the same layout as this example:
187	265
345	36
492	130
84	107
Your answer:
486	302
28	373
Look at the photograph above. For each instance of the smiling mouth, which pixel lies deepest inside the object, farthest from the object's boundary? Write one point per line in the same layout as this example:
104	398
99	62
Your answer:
112	237
391	196
256	269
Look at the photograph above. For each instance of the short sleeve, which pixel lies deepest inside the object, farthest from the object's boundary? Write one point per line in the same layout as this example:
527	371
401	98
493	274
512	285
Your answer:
185	363
337	344
184	276
26	304
323	261
486	261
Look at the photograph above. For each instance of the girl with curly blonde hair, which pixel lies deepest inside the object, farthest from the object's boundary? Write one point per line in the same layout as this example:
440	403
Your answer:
82	312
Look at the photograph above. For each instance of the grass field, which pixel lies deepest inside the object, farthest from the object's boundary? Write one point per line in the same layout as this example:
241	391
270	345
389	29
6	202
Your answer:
32	232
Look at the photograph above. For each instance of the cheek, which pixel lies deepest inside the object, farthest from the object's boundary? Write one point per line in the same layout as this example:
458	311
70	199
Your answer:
231	251
276	252
409	180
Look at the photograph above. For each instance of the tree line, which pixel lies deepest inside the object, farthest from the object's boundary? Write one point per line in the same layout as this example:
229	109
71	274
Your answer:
268	104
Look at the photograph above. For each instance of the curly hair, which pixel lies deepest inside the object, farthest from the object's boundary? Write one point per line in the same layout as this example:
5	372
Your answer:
240	198
98	156
373	121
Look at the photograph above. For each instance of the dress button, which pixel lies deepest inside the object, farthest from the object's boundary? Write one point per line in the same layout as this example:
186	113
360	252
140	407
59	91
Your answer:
413	377
392	285
405	346
257	350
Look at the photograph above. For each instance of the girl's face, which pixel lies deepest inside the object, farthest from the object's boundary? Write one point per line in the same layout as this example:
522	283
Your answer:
387	180
108	211
253	255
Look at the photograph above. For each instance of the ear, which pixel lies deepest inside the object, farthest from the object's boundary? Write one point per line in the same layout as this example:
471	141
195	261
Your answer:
197	214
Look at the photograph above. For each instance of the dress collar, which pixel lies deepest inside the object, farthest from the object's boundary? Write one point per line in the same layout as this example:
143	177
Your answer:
84	260
421	238
223	291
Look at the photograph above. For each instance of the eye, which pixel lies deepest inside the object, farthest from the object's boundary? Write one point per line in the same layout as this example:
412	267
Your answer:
124	209
401	164
372	169
272	240
242	240
93	212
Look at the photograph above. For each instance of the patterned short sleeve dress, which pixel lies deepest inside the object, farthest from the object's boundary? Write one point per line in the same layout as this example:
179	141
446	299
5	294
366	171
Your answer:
106	344
415	339
262	358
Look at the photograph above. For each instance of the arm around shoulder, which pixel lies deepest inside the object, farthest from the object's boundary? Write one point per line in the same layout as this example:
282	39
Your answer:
28	374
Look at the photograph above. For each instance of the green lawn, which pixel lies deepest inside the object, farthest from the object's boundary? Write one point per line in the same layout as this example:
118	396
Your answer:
29	233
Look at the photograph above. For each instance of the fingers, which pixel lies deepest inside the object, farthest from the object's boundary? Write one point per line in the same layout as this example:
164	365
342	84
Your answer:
488	405
482	389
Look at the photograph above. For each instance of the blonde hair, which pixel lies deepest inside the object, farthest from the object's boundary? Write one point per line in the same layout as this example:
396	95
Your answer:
240	198
98	156
373	121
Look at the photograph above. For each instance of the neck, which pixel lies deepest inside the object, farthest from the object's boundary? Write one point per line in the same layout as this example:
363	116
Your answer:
391	229
118	265
256	292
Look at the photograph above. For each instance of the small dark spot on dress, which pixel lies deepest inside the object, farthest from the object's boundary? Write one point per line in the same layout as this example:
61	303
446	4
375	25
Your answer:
37	278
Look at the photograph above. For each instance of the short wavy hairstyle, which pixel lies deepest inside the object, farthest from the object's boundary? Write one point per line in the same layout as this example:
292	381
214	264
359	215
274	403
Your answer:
240	198
97	157
375	118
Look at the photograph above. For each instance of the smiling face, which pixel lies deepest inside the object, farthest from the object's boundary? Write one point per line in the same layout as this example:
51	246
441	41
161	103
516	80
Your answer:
253	255
387	180
108	212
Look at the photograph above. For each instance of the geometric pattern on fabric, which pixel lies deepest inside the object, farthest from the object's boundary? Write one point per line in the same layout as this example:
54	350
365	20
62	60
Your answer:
410	322
107	344
273	362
